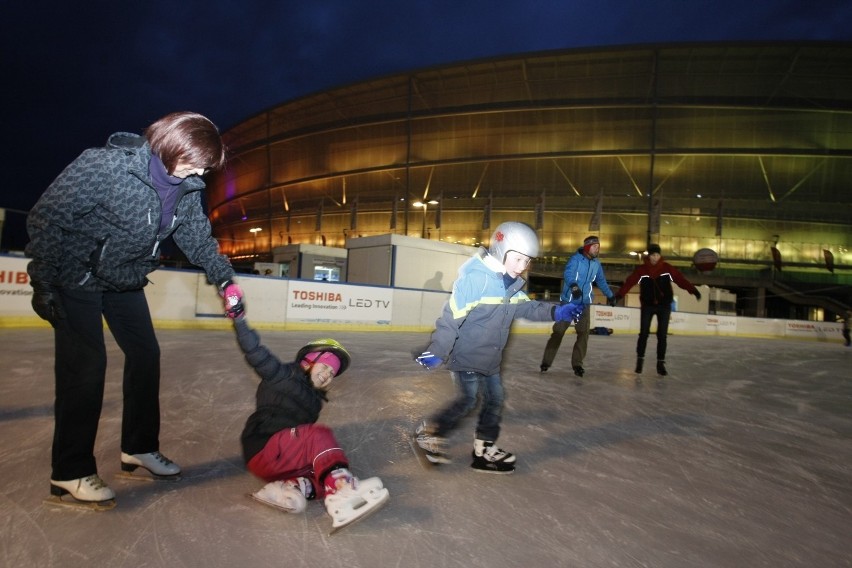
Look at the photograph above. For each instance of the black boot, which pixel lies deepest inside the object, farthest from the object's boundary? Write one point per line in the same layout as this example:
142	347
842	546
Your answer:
639	362
661	368
490	459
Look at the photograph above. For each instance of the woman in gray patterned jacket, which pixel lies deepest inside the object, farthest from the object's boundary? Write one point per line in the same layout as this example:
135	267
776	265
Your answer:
95	235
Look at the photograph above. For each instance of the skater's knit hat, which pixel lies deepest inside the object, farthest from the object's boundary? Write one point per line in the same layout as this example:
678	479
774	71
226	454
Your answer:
589	241
654	248
326	357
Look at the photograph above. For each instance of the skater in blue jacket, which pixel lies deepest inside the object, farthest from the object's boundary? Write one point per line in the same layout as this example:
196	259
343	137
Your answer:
470	337
582	270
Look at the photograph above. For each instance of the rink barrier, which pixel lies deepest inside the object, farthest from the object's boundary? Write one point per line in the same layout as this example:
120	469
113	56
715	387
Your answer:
183	299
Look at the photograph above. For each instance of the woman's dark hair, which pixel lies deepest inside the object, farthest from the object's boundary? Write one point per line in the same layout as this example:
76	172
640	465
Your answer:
188	137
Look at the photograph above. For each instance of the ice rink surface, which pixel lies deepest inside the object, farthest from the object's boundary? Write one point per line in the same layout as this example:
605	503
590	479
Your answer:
741	457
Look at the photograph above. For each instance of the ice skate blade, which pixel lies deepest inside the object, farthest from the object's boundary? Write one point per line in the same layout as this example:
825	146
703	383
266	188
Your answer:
71	503
146	476
374	505
494	471
270	504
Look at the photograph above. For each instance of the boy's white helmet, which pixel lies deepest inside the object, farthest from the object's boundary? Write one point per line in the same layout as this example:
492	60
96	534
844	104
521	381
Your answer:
515	236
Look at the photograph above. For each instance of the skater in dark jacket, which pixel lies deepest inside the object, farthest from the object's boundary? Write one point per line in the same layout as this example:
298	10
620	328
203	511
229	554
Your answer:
655	277
95	235
282	442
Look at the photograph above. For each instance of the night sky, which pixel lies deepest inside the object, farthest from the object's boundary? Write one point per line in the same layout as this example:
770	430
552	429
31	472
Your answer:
74	72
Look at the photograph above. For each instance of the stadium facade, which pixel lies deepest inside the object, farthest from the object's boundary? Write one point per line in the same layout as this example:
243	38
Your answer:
742	148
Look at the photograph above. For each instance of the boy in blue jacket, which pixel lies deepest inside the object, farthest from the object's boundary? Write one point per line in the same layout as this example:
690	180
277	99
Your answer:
470	337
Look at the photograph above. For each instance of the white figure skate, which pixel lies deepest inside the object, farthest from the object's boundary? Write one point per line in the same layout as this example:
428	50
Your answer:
290	496
355	501
86	493
158	466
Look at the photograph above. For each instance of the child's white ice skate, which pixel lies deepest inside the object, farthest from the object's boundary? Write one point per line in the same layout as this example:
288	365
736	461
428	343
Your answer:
86	493
158	466
290	496
355	501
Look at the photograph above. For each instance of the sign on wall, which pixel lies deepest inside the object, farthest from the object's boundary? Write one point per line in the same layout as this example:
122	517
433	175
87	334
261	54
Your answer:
810	329
15	291
609	317
318	301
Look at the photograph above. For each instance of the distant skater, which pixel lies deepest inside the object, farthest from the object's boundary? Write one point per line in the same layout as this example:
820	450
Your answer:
582	271
655	277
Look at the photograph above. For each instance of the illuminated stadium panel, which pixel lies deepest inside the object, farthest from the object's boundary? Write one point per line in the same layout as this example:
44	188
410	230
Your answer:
759	132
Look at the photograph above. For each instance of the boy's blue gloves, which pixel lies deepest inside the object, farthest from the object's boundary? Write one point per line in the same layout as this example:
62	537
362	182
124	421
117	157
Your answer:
429	360
568	312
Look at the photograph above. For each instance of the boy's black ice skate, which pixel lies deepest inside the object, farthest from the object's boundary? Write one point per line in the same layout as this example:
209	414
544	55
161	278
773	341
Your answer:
488	458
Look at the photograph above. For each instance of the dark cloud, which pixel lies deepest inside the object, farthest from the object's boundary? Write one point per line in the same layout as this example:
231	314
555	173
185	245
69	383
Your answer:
81	70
